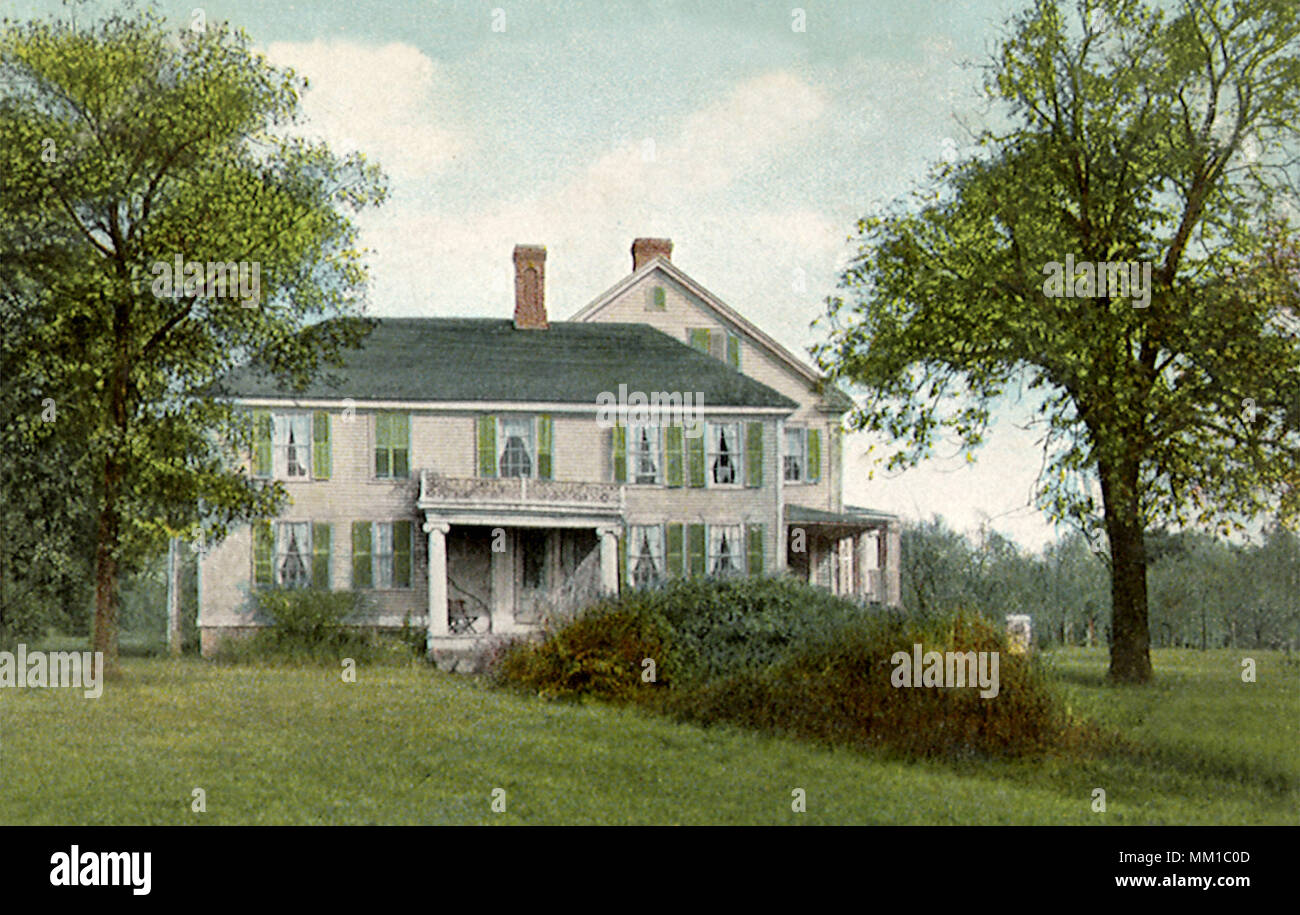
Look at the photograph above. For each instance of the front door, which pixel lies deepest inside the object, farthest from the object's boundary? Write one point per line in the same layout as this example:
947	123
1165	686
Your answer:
531	578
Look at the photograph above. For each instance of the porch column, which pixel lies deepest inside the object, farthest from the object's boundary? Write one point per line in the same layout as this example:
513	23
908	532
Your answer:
608	559
437	532
891	567
861	567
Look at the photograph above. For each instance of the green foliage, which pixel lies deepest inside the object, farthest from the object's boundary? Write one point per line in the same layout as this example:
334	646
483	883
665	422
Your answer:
838	691
1146	134
312	625
598	653
780	656
125	146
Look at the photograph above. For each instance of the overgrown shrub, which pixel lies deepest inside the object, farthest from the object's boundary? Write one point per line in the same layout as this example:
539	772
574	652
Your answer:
310	624
782	657
598	653
840	690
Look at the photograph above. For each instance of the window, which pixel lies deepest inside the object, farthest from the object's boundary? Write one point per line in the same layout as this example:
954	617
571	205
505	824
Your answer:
796	455
392	445
726	550
643	454
645	554
718	343
532	548
293	554
517	455
291	446
381	554
656	299
724	454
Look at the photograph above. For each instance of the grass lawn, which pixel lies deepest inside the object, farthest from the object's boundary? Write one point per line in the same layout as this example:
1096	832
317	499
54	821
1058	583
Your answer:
411	745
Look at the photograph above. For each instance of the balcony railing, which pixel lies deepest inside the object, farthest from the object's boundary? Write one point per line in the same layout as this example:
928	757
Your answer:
439	490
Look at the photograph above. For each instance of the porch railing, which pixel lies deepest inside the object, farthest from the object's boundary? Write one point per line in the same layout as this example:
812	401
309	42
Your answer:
435	488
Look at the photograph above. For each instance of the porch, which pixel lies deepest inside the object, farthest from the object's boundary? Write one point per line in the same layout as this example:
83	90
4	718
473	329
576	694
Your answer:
503	554
854	553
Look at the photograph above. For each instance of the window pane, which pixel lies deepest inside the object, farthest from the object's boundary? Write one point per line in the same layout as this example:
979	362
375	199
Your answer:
516	447
643	445
383	555
794	455
646	555
293	554
724	459
725	550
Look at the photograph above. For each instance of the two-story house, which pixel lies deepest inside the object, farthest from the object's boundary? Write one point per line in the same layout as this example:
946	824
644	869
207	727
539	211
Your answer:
472	475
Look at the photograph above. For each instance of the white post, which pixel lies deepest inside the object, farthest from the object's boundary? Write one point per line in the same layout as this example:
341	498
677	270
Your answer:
892	567
174	597
608	559
437	532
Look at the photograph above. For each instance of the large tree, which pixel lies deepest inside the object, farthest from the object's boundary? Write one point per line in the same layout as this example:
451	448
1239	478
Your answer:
1160	135
125	147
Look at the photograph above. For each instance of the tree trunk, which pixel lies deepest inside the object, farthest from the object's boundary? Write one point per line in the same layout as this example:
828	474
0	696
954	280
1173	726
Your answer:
107	534
1130	645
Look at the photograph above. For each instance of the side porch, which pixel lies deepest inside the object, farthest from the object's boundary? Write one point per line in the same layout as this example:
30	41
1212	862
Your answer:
854	553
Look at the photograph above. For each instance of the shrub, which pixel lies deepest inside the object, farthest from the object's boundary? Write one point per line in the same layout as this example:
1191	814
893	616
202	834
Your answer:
598	653
839	690
309	624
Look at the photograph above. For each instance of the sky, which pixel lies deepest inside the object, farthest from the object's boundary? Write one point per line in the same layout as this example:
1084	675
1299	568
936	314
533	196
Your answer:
754	145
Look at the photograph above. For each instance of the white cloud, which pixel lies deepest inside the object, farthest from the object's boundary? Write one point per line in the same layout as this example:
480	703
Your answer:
390	101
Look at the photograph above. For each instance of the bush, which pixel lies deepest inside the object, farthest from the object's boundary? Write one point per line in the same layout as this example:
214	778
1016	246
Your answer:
309	624
840	691
598	653
782	657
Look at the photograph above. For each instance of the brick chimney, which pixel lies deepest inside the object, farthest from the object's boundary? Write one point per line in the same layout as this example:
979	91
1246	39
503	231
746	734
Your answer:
644	250
530	287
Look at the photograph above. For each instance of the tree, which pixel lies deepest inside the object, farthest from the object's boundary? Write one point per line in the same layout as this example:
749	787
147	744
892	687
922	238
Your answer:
125	150
1135	136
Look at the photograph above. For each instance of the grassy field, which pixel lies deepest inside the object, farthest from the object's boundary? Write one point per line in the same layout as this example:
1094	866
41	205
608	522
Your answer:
410	745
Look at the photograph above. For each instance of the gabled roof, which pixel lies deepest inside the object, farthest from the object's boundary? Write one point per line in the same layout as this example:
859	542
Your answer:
488	360
812	375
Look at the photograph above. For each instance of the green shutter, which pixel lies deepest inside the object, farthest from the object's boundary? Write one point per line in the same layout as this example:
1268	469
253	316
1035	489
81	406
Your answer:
753	454
400	436
673	455
401	554
321	453
754	534
320	556
733	351
695	456
622	558
263	571
618	451
673	550
697	551
261	443
487	446
383	438
699	338
362	575
545	440
660	298
814	455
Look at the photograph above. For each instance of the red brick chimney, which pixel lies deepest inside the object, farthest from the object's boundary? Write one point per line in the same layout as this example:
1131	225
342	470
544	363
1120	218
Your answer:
644	250
530	287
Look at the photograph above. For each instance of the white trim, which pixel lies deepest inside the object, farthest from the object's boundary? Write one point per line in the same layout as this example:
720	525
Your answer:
480	406
674	272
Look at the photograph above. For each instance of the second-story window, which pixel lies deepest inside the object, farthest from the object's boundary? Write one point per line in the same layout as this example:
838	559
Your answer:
517	448
724	454
392	445
643	454
291	443
795	460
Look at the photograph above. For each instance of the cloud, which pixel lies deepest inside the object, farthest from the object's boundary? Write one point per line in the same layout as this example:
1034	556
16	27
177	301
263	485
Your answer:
390	101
